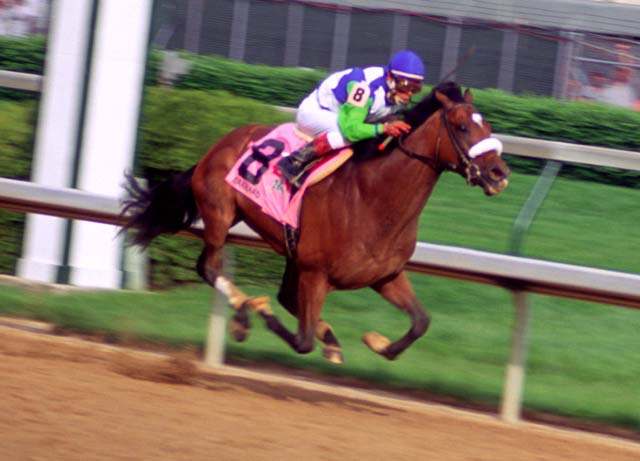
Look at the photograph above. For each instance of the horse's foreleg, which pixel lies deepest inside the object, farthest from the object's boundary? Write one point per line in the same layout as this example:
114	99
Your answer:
398	291
209	267
288	298
311	292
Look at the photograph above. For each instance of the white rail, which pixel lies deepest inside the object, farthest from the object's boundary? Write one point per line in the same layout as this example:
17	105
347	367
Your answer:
606	286
567	152
20	81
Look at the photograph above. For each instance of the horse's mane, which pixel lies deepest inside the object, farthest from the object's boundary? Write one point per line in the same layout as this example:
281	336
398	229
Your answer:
414	116
419	113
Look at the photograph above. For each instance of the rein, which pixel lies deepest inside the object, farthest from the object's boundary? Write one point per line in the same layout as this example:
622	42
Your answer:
464	164
432	162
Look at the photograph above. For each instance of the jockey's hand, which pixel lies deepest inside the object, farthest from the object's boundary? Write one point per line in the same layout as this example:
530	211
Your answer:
396	128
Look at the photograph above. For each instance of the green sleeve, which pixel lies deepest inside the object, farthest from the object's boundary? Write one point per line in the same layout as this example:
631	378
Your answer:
351	121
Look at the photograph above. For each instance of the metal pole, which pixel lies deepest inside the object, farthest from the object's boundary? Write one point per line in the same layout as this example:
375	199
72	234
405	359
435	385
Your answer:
452	39
512	396
239	25
214	355
136	268
514	382
215	345
533	204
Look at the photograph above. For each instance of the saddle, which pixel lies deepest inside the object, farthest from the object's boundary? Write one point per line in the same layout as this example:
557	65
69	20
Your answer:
255	176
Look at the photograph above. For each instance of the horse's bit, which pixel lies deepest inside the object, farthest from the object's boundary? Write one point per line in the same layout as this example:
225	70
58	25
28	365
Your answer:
465	164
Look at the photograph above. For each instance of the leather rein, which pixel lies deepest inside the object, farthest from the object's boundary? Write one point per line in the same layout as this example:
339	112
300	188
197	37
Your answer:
465	164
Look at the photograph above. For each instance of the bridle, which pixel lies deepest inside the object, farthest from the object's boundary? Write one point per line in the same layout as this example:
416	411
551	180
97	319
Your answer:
465	166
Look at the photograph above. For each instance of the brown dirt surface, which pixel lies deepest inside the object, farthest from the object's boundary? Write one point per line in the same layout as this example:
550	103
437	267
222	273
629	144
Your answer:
68	399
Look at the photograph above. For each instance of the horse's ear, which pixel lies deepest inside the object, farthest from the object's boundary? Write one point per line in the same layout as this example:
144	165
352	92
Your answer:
444	100
468	97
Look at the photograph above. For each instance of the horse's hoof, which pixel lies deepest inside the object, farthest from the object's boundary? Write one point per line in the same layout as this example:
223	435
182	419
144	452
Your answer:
376	342
260	304
333	354
239	332
239	326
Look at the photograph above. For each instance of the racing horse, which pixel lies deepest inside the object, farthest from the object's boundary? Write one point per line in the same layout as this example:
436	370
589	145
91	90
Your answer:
358	226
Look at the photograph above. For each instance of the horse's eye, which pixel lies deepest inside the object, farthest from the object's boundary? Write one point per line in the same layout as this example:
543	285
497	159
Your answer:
462	128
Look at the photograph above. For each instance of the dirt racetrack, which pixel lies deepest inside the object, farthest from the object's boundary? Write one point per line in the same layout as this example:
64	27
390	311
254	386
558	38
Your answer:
67	399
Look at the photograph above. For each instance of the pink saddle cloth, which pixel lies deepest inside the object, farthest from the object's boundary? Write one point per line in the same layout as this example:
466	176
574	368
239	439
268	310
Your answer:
255	174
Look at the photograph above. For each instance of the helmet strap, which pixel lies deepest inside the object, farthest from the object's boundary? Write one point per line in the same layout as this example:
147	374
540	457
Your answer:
391	81
391	92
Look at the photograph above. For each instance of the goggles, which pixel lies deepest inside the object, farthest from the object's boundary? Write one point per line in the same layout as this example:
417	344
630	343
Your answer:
405	85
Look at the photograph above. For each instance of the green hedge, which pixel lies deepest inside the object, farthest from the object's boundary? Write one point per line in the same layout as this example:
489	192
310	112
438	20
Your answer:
16	135
274	85
578	122
17	122
178	126
530	116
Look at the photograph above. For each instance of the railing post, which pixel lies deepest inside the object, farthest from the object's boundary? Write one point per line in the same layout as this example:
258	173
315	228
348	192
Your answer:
136	268
214	355
511	406
215	345
513	392
533	204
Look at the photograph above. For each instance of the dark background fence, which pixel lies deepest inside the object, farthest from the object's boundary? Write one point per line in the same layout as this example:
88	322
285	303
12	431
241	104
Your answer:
533	51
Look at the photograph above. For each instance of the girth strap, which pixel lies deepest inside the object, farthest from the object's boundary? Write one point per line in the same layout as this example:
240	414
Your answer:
291	237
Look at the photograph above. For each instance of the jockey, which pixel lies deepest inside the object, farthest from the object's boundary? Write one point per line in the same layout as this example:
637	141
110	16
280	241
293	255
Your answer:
348	106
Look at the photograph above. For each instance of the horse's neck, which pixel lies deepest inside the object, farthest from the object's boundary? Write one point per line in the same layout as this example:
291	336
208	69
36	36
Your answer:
404	183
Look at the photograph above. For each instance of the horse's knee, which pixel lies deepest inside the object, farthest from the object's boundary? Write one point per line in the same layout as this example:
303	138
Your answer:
205	268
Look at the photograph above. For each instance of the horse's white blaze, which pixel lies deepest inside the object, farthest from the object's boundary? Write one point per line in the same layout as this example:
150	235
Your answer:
477	118
484	146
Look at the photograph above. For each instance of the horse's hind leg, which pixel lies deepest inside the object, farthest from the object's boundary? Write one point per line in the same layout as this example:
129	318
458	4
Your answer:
239	325
398	291
218	216
288	298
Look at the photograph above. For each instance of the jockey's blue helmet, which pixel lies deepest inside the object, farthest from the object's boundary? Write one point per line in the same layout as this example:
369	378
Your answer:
406	64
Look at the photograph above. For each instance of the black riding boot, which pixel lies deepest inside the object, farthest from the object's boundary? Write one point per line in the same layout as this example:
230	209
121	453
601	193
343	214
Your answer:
295	165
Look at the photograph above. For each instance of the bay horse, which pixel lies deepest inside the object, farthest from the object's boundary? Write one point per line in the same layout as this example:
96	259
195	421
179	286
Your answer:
358	227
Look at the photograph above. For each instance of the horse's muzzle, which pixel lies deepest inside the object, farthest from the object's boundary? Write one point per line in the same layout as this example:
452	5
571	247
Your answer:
496	179
492	174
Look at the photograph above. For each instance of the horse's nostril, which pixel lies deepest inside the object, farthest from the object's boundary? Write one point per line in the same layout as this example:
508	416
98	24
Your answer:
497	174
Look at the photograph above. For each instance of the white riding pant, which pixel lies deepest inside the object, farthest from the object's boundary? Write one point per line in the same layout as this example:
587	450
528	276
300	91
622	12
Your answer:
313	120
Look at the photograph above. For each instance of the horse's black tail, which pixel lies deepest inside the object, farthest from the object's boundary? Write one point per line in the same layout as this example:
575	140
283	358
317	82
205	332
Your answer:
167	208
